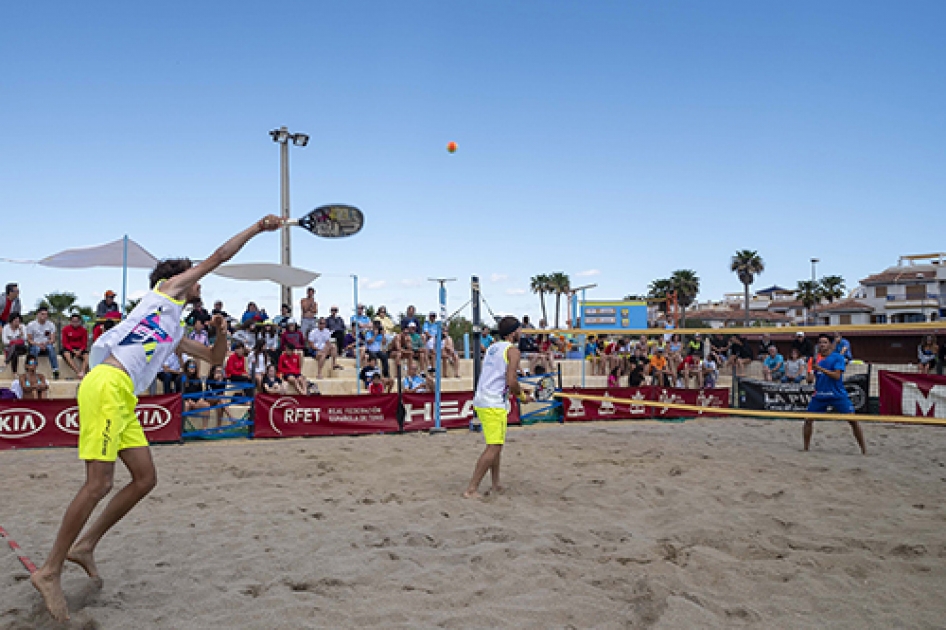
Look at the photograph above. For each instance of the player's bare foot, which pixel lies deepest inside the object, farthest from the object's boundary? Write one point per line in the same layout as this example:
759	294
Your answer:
496	490
83	557
48	585
472	494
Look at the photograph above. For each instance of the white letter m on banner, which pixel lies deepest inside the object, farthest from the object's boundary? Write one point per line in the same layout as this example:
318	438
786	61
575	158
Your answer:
931	405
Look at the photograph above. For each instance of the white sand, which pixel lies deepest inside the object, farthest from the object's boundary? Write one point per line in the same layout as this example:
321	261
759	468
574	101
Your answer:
709	524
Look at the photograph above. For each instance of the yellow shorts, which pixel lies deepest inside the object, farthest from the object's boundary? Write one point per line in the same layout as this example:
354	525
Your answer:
107	420
494	424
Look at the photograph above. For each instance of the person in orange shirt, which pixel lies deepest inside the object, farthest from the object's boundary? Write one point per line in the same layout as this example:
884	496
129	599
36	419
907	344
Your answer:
659	369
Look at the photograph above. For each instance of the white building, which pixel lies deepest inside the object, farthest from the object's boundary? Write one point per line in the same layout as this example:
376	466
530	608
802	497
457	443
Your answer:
912	291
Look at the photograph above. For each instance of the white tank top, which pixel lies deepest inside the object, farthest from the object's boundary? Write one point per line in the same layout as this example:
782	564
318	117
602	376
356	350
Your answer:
492	391
143	341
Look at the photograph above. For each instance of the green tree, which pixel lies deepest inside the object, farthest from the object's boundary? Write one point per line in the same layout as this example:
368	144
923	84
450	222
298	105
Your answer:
59	305
687	285
456	328
130	305
540	284
560	285
660	290
831	288
808	293
746	264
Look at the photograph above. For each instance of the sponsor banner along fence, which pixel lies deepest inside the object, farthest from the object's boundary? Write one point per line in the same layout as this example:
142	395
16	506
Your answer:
40	423
298	416
912	394
456	411
769	396
578	410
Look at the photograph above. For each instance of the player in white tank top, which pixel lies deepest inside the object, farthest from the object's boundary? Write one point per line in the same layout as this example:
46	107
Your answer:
498	379
124	359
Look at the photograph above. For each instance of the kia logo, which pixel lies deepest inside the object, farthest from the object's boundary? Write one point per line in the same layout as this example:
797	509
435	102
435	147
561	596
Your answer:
68	420
152	417
19	423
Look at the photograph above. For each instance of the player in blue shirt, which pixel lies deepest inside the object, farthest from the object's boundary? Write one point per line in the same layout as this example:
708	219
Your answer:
828	371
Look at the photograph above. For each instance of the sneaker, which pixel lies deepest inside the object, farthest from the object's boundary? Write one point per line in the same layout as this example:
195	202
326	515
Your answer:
56	374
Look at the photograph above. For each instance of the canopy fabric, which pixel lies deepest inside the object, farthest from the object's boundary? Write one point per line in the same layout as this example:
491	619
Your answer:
112	255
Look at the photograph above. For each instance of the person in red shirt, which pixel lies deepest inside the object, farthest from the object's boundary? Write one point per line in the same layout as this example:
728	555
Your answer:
75	345
290	370
236	369
377	385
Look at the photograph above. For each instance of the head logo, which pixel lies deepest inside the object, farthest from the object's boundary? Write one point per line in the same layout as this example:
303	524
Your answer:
68	420
152	417
19	423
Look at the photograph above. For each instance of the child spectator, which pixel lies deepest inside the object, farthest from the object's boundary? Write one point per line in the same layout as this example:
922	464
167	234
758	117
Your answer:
75	345
272	384
236	370
290	369
200	334
258	361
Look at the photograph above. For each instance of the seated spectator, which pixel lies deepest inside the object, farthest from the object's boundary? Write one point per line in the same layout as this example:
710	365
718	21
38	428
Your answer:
33	384
352	344
805	348
245	334
191	386
449	355
322	346
272	384
926	354
415	383
237	371
310	312
170	375
9	303
613	377
710	371
253	314
402	350
200	334
376	344
843	347
258	360
214	387
527	345
14	341
719	345
486	339
739	354
386	322
75	345
377	385
796	368
218	310
695	345
764	346
41	335
291	338
410	317
370	371
108	307
417	345
659	369
198	314
773	368
692	370
290	369
638	367
336	325
285	314
430	326
102	325
269	335
592	355
675	353
360	322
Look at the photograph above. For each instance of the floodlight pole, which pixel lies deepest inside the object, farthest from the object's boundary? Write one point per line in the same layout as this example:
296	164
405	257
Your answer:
477	336
814	305
282	137
357	336
438	344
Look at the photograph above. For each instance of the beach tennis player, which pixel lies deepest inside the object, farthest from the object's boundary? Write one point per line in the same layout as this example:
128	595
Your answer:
828	371
125	360
491	402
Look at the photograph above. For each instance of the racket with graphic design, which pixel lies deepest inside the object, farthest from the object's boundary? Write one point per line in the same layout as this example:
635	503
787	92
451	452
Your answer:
543	389
332	221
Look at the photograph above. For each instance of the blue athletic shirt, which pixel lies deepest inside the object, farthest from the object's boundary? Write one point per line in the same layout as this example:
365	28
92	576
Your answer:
825	386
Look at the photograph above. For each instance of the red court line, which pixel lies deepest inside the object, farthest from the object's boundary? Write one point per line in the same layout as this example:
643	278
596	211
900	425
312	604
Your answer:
19	552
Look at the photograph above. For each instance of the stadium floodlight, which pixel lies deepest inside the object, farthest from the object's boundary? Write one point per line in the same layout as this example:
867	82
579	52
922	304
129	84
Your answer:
281	137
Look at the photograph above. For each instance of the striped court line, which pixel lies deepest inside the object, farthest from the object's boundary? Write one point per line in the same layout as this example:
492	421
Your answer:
19	552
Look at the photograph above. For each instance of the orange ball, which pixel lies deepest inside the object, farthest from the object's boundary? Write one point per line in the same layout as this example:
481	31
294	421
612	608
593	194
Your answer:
452	147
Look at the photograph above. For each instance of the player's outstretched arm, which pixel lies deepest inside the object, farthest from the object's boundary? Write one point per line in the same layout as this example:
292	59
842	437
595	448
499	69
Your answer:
216	354
178	286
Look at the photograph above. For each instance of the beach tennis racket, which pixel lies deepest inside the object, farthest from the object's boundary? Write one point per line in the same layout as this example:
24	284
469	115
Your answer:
332	221
543	389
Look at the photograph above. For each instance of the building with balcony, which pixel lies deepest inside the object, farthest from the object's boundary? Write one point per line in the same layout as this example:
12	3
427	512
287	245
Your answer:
912	291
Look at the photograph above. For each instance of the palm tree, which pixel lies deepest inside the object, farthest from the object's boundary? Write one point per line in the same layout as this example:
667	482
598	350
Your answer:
659	290
540	285
808	292
559	284
832	288
130	305
687	285
58	304
747	264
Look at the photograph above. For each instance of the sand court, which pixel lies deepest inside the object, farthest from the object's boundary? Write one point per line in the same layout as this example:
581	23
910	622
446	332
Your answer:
709	523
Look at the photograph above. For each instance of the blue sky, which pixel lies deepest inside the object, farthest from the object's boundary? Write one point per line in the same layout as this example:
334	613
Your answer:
614	141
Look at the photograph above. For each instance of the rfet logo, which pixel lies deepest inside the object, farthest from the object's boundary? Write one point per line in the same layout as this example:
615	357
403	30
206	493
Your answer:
68	420
152	417
20	423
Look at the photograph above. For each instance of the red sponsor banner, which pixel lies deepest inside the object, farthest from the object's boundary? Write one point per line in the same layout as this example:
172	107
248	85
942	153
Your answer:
717	397
41	423
298	416
578	410
912	394
456	411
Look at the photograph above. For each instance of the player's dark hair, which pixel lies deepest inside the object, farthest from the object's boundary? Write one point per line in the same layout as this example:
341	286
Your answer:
167	269
507	326
41	309
825	336
10	288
